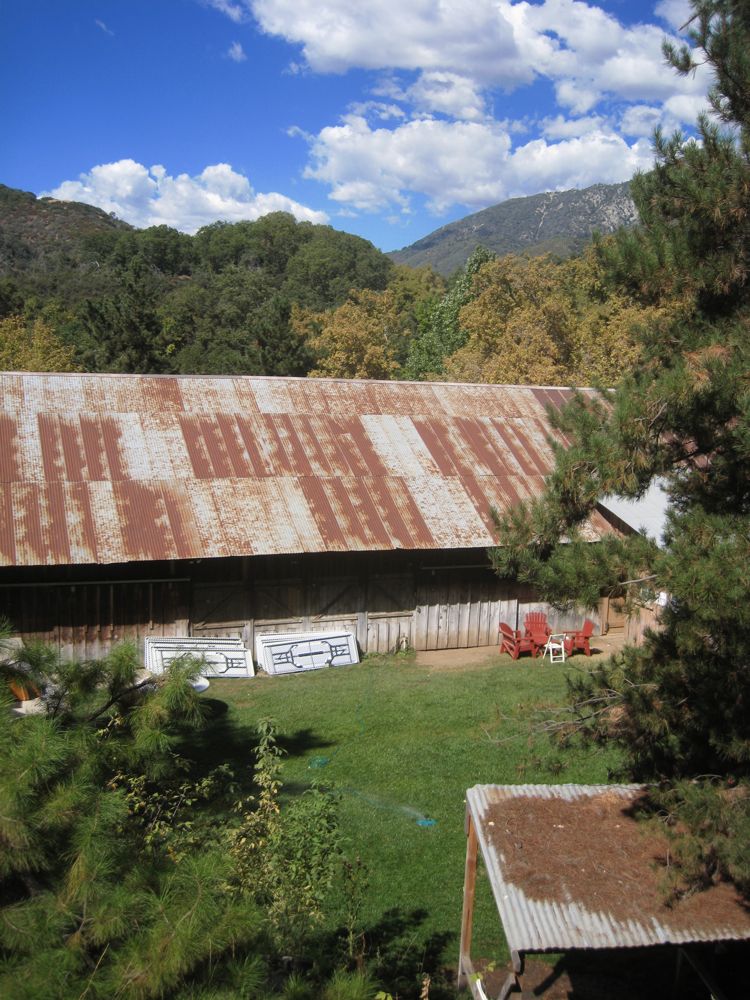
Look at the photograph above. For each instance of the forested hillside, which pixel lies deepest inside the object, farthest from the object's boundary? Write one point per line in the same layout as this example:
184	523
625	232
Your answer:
157	300
81	290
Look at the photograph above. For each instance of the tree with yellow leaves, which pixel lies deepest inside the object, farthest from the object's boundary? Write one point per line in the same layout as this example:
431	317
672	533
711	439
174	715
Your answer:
516	325
538	321
360	339
32	347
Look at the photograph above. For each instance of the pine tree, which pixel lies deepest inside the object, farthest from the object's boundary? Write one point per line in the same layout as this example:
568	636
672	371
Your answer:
683	698
97	898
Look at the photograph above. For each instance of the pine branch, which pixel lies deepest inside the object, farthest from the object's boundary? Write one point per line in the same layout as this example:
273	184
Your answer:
124	692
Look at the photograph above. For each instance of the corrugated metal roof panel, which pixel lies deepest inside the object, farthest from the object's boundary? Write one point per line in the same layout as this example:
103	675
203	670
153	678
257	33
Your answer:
560	920
117	468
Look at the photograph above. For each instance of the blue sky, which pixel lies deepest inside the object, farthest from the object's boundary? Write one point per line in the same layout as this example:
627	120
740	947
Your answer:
386	118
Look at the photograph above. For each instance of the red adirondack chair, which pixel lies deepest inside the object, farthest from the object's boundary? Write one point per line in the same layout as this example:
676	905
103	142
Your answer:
536	620
537	628
580	639
514	643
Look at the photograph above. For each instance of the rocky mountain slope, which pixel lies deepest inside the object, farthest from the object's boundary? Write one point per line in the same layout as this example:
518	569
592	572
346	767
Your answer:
558	222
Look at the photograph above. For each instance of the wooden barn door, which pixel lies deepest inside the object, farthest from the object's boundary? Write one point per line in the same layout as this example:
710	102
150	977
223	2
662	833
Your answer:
219	609
459	613
390	613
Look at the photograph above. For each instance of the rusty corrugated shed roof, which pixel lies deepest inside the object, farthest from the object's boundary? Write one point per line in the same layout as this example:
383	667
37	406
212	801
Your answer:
557	917
117	468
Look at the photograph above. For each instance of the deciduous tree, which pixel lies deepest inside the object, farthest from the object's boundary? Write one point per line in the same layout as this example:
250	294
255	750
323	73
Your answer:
441	334
32	346
360	339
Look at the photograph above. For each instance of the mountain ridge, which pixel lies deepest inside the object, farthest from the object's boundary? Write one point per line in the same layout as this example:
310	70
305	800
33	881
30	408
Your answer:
557	222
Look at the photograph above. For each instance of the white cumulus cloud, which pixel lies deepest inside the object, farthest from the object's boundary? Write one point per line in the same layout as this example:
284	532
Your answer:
473	44
447	93
675	12
560	127
595	158
373	169
441	68
236	53
336	35
236	12
465	163
152	197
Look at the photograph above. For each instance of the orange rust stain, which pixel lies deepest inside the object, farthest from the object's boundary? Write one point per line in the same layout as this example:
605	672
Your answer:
182	524
278	458
326	520
251	431
143	520
53	459
320	441
233	446
399	512
484	452
529	449
79	509
7	535
514	447
196	448
361	453
10	469
215	446
363	524
58	544
294	448
112	436
93	447
484	496
29	519
73	451
433	434
162	394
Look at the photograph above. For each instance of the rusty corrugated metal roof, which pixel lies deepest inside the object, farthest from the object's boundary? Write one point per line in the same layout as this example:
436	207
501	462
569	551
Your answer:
557	917
117	468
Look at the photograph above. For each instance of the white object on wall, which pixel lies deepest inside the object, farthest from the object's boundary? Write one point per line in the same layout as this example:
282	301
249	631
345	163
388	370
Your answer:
222	657
295	652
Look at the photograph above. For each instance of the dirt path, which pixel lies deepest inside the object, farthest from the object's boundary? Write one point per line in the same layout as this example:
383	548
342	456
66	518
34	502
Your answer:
602	647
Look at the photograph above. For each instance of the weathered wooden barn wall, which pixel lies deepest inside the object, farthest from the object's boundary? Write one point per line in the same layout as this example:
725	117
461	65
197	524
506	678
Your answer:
639	621
431	600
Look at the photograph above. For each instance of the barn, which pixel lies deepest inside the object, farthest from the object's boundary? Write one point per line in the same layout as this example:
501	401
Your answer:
134	506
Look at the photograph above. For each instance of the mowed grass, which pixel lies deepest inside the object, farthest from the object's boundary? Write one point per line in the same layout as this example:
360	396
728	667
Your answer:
401	743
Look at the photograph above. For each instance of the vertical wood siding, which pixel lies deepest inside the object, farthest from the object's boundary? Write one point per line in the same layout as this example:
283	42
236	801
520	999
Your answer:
385	599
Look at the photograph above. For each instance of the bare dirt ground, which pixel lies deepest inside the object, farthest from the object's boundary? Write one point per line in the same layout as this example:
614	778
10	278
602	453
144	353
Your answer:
602	647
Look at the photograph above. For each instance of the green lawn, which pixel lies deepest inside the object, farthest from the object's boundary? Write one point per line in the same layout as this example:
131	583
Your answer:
401	743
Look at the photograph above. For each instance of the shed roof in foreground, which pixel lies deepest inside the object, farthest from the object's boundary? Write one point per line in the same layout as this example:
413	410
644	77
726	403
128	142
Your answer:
117	468
570	867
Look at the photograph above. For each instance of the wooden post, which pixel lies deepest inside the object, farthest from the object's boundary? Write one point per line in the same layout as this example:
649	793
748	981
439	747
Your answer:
465	966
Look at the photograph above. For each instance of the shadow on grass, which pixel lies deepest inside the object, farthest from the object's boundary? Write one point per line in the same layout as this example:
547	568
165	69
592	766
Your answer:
397	952
224	740
402	955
